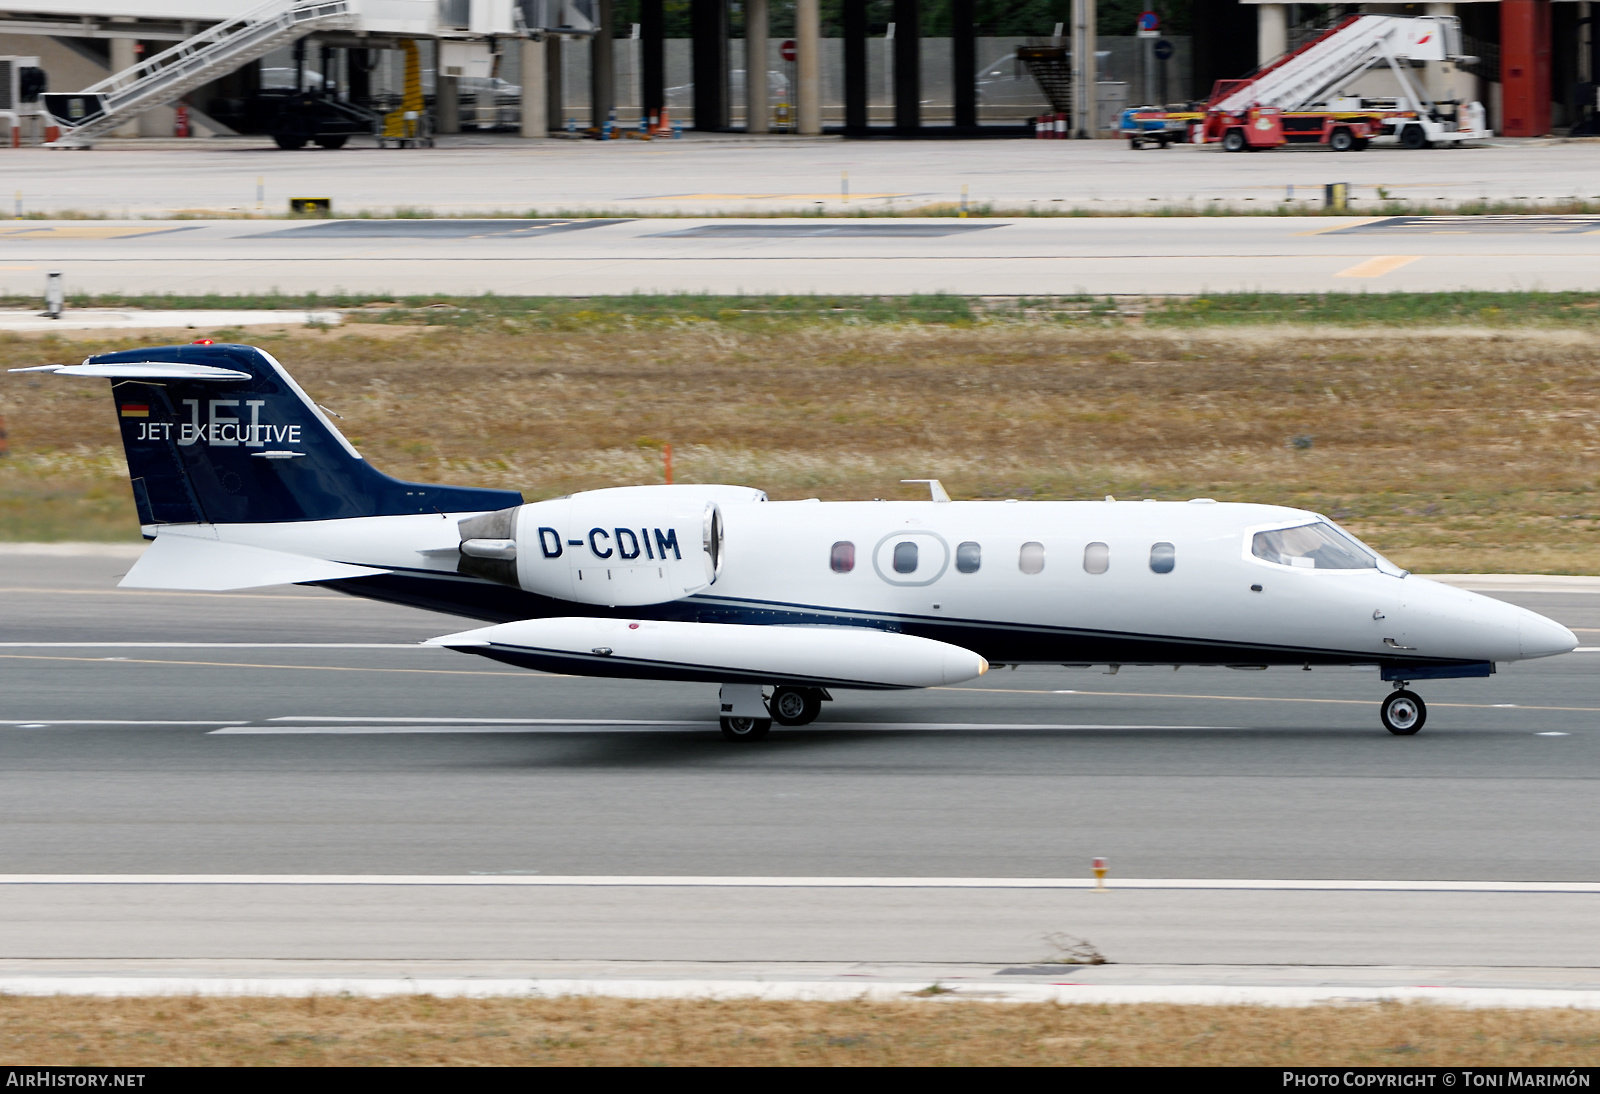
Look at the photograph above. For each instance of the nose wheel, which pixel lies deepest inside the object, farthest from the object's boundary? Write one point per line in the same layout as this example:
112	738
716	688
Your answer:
1403	712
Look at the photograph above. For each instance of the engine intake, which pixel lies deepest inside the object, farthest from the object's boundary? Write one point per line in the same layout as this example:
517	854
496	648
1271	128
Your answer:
628	546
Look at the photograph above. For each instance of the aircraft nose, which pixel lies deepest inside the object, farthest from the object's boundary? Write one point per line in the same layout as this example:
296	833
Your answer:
1541	637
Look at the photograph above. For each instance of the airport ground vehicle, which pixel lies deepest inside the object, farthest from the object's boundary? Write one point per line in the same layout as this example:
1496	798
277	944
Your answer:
240	480
1144	125
1307	96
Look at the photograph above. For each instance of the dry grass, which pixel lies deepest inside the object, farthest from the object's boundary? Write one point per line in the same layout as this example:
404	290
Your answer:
423	1030
1451	449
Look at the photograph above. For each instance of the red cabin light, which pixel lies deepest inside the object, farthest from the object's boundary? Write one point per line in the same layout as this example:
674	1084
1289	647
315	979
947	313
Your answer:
204	342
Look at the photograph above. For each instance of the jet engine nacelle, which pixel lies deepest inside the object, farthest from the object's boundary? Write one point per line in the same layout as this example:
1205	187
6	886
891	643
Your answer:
628	546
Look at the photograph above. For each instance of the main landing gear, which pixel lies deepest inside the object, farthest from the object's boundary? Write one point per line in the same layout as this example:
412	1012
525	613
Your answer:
789	706
1403	712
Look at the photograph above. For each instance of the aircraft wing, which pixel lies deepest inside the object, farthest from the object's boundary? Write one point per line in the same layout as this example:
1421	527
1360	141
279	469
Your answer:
208	565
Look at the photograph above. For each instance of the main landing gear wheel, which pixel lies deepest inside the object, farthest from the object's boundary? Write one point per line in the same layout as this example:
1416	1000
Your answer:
746	729
1403	713
795	706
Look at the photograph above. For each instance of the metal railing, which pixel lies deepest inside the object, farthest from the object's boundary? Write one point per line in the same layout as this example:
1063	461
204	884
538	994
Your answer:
197	60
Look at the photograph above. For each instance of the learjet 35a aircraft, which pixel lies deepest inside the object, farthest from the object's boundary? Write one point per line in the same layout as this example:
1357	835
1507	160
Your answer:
241	481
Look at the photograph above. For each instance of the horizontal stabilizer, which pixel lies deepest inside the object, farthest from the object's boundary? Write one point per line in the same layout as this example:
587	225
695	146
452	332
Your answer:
142	370
208	565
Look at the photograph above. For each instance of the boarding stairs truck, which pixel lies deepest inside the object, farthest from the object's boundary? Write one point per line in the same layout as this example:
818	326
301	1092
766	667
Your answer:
172	73
467	27
1303	97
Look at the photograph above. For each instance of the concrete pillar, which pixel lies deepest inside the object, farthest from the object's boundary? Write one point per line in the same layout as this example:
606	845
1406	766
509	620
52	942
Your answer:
907	66
1272	32
964	63
123	56
535	111
1525	67
1084	90
708	24
854	18
447	104
757	111
1442	74
602	66
554	89
808	66
653	56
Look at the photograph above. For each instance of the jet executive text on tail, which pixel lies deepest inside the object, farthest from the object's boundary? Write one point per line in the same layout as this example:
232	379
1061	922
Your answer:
240	480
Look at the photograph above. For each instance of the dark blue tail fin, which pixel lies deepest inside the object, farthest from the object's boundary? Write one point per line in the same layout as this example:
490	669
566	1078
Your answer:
251	449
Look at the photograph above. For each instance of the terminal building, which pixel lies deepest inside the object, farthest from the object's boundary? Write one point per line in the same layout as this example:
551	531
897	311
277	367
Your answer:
865	68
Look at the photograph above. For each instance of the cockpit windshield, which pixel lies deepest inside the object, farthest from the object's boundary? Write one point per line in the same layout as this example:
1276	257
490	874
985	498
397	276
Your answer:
1319	546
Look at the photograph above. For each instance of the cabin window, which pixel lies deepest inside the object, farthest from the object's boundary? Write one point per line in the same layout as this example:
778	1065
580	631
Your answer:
1031	558
843	557
905	558
1162	557
1096	558
1318	546
969	556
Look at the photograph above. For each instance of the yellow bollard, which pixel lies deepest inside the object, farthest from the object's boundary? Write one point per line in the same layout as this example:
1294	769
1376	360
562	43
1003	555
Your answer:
1100	875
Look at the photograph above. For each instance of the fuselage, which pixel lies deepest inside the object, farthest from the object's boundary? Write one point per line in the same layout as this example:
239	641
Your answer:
1047	582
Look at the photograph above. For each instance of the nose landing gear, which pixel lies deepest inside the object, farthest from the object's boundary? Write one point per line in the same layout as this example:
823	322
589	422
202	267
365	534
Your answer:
1403	712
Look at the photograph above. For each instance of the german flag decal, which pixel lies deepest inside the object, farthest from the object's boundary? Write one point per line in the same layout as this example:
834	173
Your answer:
135	410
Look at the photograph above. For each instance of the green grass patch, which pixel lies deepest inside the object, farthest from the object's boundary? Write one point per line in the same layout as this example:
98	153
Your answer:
531	314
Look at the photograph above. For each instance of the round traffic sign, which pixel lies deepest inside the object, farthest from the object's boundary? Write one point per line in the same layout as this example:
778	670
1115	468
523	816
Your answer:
787	50
1149	22
1164	50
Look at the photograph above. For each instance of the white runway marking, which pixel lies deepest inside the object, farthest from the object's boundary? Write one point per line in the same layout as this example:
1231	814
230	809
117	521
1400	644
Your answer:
988	990
640	725
657	881
40	723
552	725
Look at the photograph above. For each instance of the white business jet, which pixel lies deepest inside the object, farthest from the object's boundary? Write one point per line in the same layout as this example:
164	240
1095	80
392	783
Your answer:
240	480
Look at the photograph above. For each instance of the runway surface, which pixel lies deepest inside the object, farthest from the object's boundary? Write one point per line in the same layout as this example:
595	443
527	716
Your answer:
564	257
718	174
296	732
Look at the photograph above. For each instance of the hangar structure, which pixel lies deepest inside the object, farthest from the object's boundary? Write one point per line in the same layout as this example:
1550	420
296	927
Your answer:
859	67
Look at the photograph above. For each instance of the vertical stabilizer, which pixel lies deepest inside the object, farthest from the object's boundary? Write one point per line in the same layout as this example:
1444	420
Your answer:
221	434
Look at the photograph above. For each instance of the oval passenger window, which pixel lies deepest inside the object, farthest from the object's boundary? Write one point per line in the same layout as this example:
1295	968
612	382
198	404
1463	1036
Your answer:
1162	557
905	558
1030	560
843	557
1096	558
969	556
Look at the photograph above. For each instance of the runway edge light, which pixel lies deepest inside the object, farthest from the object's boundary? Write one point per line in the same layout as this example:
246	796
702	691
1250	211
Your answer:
1100	875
